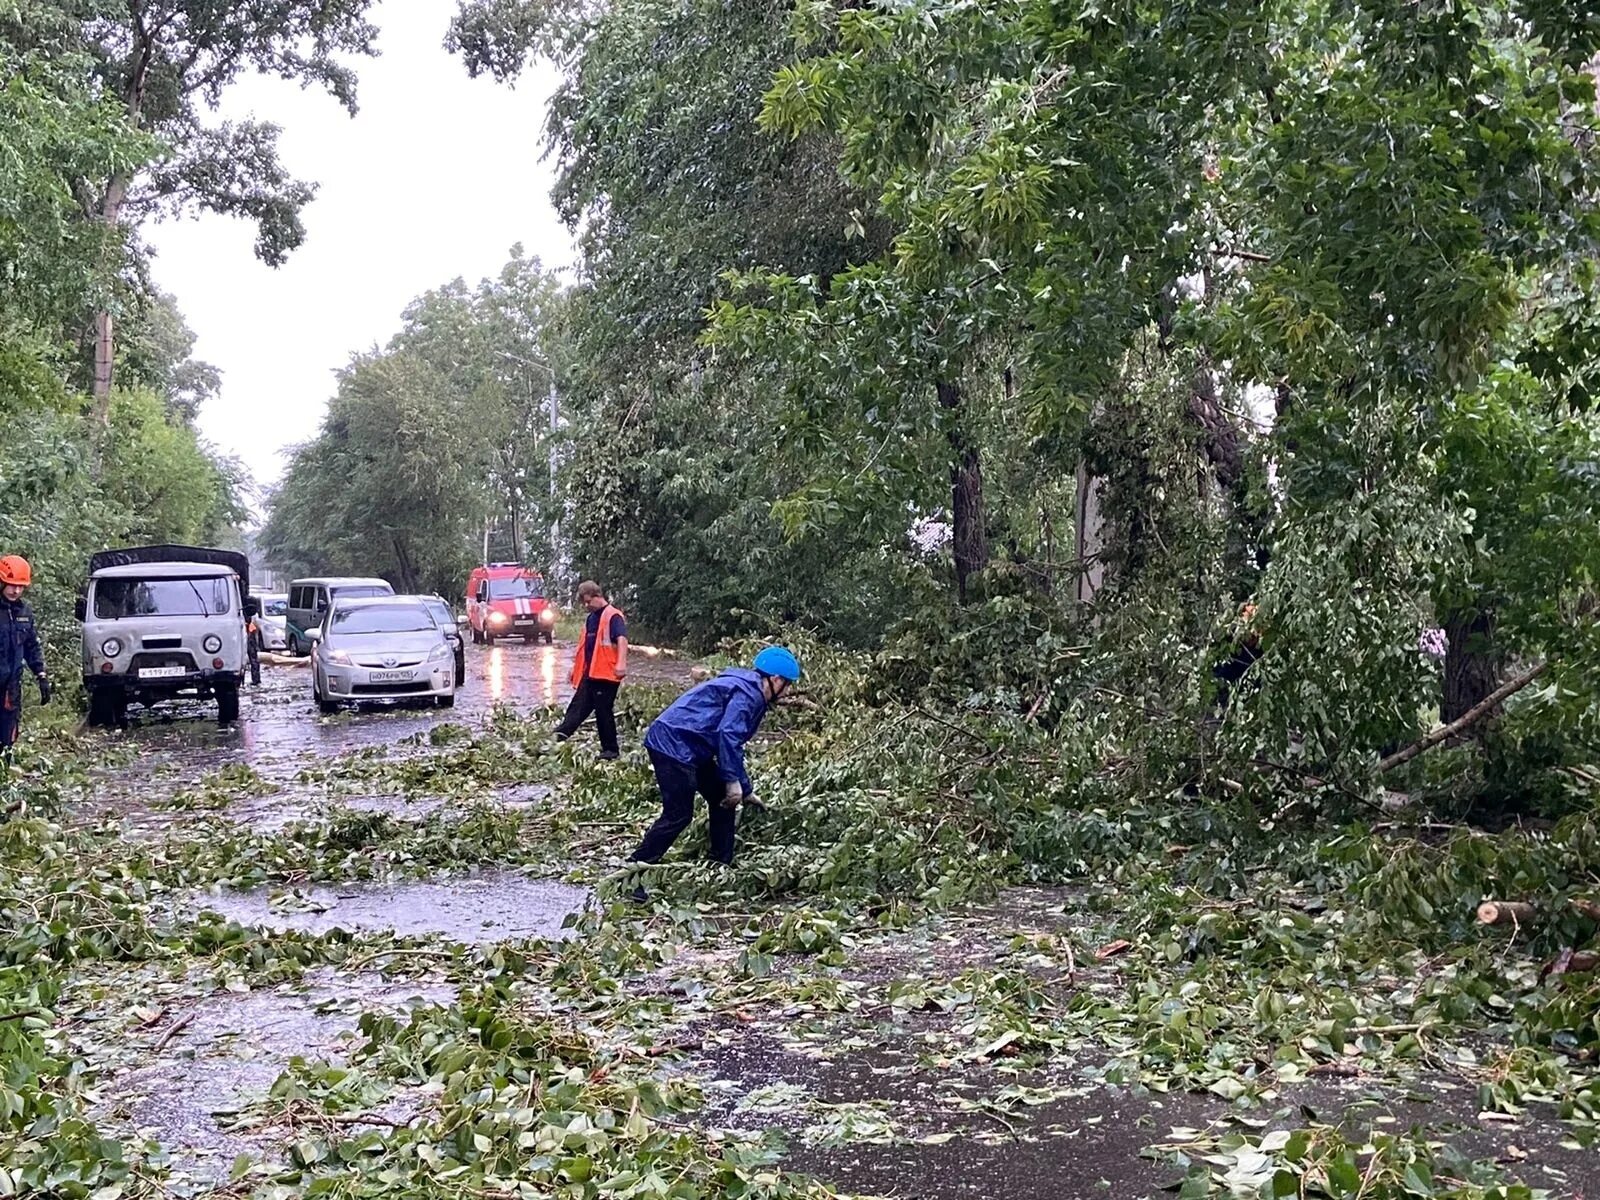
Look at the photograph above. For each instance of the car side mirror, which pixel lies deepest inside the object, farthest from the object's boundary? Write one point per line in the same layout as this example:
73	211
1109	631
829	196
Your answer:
80	610
314	635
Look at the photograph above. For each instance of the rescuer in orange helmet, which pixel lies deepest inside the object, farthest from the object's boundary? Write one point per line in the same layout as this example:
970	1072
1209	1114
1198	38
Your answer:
19	647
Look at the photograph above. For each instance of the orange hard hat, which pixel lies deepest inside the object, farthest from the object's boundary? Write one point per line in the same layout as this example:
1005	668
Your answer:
15	571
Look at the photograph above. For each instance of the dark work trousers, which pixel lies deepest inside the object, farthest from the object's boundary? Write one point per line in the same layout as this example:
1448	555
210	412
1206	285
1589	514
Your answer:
597	696
678	783
10	714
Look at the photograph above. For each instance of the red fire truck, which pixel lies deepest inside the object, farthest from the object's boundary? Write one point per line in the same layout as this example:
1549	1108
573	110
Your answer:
508	600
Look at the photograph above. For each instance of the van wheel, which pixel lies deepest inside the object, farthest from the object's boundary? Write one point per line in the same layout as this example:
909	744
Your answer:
228	706
488	638
549	637
102	708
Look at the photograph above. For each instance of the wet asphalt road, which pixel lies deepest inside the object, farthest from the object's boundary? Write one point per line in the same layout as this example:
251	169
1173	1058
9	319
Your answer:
280	731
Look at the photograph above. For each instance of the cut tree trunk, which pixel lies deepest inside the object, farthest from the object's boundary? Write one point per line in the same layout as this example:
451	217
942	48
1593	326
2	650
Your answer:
969	540
1471	666
1505	912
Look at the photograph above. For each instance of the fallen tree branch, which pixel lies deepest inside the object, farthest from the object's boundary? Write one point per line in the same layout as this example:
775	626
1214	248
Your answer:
1364	1030
366	1119
173	1030
1571	961
1473	715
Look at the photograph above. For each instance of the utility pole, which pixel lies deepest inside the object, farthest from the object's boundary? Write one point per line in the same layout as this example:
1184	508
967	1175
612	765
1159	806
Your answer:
562	565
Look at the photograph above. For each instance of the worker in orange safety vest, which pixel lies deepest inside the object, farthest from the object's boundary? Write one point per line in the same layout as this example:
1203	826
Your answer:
598	669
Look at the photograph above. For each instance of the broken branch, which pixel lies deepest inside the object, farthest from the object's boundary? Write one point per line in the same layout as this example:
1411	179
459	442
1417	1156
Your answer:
1472	716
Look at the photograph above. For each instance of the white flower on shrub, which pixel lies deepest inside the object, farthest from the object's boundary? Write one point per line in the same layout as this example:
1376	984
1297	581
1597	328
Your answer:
930	535
1433	643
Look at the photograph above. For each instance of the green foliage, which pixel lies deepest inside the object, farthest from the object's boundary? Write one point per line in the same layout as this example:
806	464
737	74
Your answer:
427	441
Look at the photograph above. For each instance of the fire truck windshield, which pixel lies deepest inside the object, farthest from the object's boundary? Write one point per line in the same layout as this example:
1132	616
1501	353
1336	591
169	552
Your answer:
521	588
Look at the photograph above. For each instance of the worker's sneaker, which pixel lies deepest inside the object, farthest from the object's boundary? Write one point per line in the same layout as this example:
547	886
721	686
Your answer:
610	755
639	895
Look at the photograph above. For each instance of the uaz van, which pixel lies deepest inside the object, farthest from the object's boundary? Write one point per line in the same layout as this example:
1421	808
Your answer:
309	600
160	622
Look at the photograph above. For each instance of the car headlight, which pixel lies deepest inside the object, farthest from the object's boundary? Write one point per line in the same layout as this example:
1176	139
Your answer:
498	618
111	647
211	644
547	616
341	657
441	653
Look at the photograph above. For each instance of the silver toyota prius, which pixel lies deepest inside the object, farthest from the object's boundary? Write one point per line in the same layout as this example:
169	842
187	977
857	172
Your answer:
384	648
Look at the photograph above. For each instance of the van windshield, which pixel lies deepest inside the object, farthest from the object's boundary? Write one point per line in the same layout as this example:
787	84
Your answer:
524	587
382	618
115	599
361	591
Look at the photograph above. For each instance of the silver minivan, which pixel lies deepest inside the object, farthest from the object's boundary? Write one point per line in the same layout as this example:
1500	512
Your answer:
309	600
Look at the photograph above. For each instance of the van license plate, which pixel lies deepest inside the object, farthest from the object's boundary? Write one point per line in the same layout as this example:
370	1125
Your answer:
161	672
391	676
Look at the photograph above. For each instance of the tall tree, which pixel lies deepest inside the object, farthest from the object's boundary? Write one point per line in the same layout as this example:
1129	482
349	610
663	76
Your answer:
164	62
56	128
669	181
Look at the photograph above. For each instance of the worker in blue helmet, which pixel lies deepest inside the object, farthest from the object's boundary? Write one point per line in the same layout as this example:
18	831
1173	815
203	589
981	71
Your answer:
697	745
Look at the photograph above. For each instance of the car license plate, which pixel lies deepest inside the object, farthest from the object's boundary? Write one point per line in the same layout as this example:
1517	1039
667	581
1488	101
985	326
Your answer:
161	672
391	676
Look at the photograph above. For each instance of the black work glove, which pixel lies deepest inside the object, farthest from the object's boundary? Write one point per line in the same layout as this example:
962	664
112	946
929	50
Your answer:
44	689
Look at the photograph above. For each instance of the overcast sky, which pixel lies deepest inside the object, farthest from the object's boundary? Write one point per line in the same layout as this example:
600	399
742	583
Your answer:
437	176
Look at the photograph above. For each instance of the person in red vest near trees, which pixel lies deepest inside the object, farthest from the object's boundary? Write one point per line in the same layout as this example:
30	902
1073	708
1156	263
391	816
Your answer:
598	669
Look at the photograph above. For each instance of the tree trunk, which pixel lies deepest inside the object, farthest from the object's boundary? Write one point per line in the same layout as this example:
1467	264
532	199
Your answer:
1471	666
104	326
970	542
1088	538
408	577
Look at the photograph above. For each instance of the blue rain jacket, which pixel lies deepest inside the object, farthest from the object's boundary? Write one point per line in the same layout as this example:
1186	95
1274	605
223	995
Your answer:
19	643
712	723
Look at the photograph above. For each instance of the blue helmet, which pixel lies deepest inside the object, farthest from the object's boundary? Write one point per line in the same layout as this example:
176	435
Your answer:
775	660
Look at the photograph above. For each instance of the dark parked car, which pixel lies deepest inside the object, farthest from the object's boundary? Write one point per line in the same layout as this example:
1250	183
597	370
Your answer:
446	618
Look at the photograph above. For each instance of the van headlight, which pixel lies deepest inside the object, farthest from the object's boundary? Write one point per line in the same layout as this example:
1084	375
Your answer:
547	616
212	644
111	647
498	618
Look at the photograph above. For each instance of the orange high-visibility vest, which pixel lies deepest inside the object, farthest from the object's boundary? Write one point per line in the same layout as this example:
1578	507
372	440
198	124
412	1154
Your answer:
604	666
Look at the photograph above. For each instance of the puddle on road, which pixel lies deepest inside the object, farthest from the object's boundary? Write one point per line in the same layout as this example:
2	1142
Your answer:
417	808
228	1052
492	907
